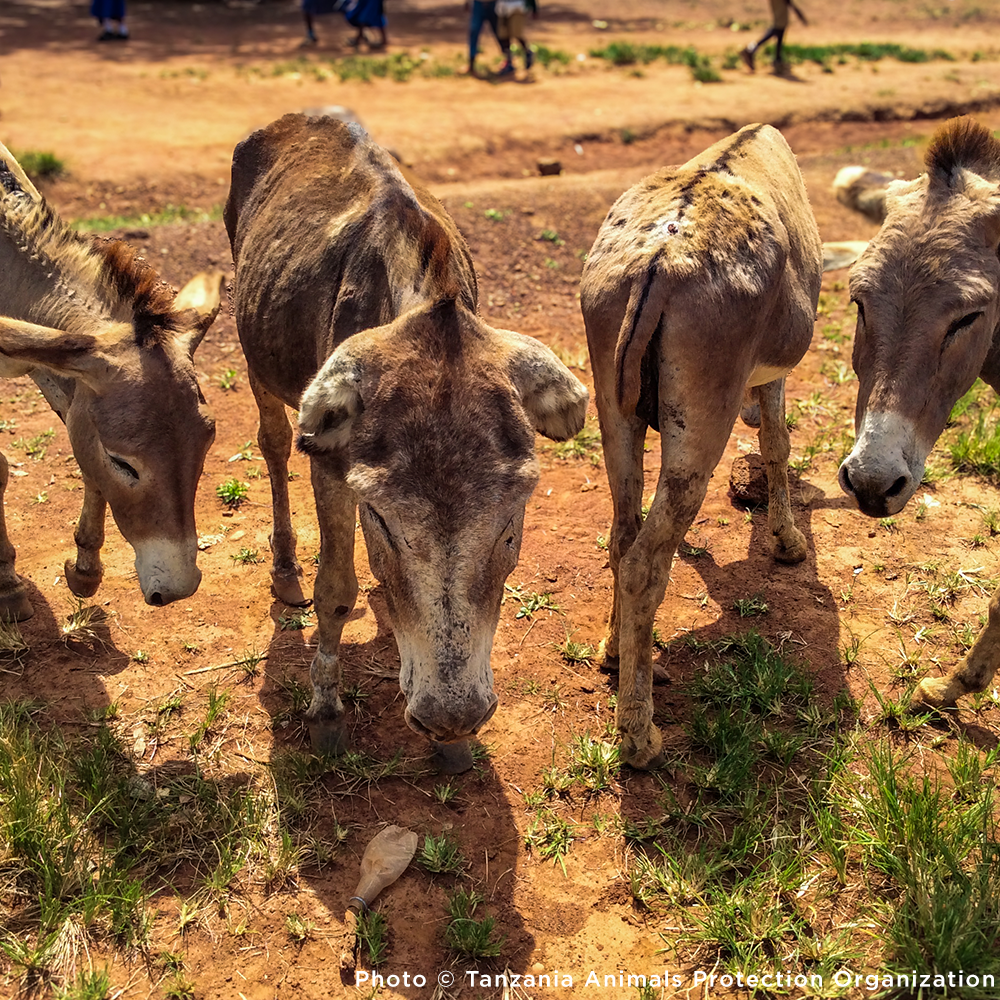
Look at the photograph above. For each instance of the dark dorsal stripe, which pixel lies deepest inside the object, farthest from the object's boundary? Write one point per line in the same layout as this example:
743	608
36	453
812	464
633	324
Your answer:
688	192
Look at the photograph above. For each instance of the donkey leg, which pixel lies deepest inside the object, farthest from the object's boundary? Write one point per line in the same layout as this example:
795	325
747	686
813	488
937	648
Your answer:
643	577
84	574
14	603
973	674
335	594
622	441
274	437
789	543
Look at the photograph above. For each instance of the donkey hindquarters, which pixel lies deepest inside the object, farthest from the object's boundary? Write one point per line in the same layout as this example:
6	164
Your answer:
703	281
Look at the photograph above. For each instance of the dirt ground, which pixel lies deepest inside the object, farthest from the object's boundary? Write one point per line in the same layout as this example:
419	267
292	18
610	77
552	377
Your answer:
153	123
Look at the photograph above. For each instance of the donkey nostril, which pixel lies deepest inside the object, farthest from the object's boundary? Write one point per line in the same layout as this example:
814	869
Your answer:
845	480
897	487
156	599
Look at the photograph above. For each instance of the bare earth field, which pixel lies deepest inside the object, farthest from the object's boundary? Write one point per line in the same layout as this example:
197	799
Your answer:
151	125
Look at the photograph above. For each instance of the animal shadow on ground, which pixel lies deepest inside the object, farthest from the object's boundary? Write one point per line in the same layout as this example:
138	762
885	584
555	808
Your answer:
65	661
386	777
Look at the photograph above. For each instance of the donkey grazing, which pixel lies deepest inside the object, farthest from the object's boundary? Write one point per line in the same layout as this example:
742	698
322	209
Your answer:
110	347
703	281
928	296
356	302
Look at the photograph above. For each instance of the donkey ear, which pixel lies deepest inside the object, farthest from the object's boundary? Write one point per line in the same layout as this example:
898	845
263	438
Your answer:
329	405
24	346
198	304
554	398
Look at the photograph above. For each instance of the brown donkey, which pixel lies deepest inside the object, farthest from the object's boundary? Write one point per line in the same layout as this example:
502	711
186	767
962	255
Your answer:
356	302
928	296
111	349
703	281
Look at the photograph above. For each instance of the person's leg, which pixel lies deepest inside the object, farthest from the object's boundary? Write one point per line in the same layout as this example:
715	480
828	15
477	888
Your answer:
503	37
748	52
476	18
310	26
779	39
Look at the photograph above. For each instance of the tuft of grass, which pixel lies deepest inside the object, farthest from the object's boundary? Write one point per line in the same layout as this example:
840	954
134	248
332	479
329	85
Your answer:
550	836
464	934
247	557
575	652
41	164
441	855
232	492
531	601
297	620
749	607
372	932
81	621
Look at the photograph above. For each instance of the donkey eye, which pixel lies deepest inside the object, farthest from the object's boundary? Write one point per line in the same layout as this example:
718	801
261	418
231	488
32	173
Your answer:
123	467
861	309
961	324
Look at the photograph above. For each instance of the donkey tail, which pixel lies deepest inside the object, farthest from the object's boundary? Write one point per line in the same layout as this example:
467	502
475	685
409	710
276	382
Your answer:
642	316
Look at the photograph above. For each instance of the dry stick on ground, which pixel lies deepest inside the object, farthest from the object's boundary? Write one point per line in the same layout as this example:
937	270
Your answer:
220	666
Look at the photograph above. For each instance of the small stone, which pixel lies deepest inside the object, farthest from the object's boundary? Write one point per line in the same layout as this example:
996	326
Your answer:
548	167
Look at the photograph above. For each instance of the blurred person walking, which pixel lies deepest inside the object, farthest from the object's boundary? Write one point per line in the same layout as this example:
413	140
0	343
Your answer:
110	16
511	15
483	12
779	23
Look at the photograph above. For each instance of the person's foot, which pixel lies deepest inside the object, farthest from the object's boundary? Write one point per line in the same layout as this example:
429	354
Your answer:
747	56
781	68
121	36
107	36
470	71
354	42
529	58
507	69
310	39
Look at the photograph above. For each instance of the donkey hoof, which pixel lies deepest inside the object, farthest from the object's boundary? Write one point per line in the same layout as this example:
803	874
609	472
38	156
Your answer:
937	693
328	737
452	758
288	590
81	584
790	547
607	657
15	607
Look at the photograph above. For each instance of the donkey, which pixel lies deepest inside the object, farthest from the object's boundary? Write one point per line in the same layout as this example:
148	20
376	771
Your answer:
703	281
111	349
928	296
355	301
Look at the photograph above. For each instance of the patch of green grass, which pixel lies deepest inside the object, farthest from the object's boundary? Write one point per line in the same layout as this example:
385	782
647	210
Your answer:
372	932
36	446
585	444
749	607
550	836
41	164
296	620
530	601
232	492
165	216
247	557
464	934
442	856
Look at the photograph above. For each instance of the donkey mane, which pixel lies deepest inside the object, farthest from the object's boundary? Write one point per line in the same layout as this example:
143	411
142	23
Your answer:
133	281
111	269
963	142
